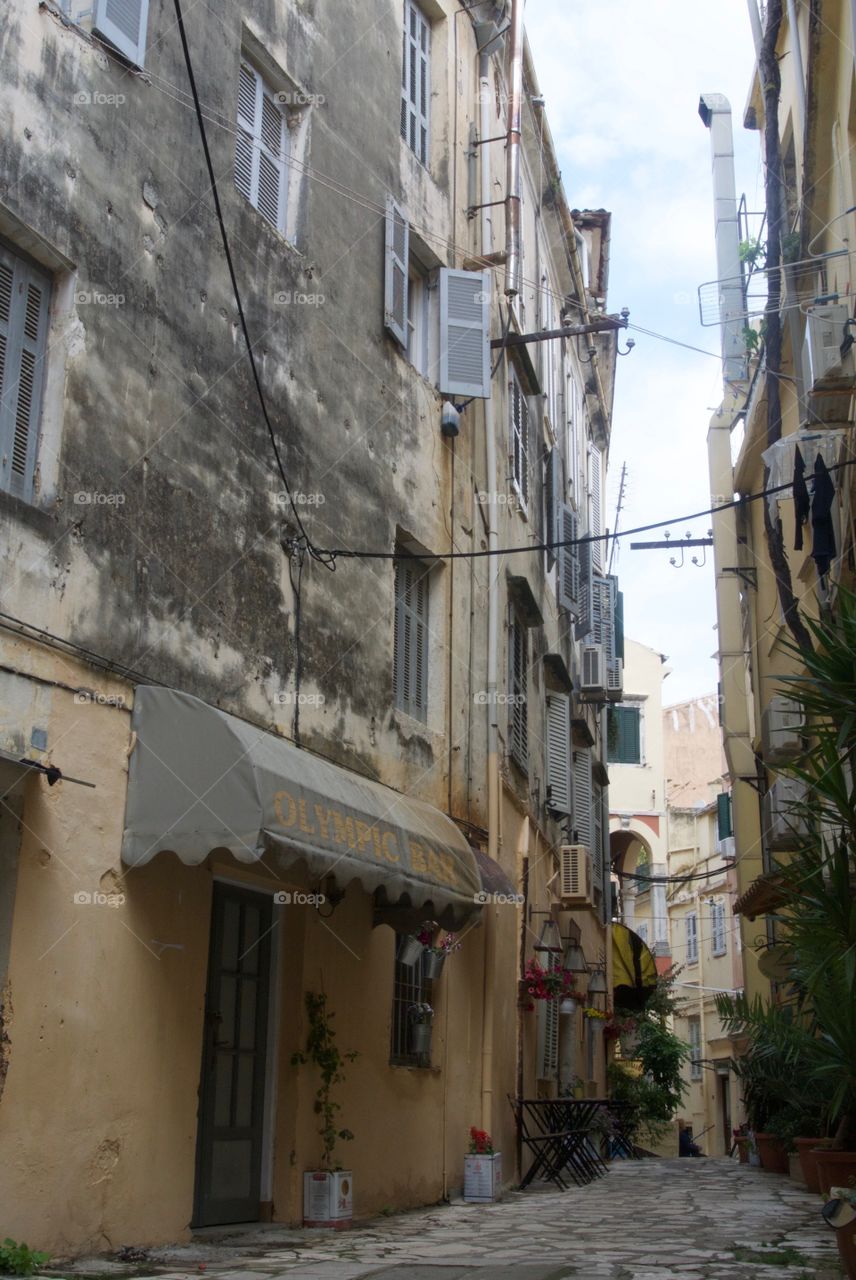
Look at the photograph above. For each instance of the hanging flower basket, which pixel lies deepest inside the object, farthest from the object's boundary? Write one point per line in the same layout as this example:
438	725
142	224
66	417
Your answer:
411	950
434	962
539	983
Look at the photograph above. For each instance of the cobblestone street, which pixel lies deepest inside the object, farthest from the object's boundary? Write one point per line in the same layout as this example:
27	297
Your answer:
651	1220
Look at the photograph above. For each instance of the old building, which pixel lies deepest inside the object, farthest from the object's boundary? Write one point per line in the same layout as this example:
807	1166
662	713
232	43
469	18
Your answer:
291	657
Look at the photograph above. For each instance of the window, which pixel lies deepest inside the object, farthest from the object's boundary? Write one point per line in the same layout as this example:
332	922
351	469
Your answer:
583	823
717	915
518	710
547	1033
121	23
409	988
24	298
417	319
624	735
692	937
724	827
694	1033
518	445
262	149
410	660
415	80
559	753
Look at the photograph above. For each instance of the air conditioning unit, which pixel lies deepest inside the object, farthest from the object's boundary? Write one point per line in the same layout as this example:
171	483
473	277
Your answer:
575	875
825	330
785	827
782	727
593	673
726	847
615	680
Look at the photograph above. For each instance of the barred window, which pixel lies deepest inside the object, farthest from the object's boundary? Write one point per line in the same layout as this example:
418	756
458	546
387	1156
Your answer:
410	987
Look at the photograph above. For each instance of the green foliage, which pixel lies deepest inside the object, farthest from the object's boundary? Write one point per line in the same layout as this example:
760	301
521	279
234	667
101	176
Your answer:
324	1054
653	1084
752	252
19	1259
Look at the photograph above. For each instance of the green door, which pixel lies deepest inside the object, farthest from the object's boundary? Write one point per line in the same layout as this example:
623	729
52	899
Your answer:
232	1085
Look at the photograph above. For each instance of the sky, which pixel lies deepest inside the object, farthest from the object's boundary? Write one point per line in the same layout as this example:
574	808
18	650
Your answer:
622	81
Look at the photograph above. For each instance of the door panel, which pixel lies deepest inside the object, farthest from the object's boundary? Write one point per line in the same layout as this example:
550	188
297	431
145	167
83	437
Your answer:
232	1085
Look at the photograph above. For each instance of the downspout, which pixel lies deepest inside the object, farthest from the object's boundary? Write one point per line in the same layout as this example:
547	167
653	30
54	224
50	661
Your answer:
489	994
512	179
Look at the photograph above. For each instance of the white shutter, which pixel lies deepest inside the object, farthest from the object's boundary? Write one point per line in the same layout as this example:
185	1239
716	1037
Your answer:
597	837
261	148
24	297
397	232
464	321
415	80
122	23
595	496
603	620
692	937
518	444
582	819
569	561
547	1043
410	657
246	130
559	752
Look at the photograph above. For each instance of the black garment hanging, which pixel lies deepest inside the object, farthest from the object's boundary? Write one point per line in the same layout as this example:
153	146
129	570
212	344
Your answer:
823	545
802	501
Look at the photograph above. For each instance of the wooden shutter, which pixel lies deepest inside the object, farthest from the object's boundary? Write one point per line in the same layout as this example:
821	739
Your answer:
583	823
410	656
246	131
692	937
261	146
586	606
518	719
718	922
724	827
122	23
464	321
598	547
618	619
24	299
416	80
559	752
597	838
519	437
603	618
554	491
397	233
569	561
623	735
547	1033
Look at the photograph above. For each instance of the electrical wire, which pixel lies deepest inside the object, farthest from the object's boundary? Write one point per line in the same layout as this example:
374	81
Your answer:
321	556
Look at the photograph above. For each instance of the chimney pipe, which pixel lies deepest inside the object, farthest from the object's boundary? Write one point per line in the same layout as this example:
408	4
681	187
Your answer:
512	177
715	111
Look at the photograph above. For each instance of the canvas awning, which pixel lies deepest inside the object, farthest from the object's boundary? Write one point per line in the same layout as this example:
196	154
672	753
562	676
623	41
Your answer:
634	969
202	781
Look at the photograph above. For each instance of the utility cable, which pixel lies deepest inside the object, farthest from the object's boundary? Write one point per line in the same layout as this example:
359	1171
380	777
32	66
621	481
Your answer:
321	556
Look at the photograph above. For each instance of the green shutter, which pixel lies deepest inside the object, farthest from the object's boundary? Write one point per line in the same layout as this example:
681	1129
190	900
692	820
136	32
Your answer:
723	816
623	740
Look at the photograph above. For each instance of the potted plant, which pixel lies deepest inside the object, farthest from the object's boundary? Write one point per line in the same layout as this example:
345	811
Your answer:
421	1018
435	955
411	949
539	983
482	1169
328	1196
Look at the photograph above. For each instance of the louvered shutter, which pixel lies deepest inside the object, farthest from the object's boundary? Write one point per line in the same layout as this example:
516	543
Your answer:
596	525
261	148
619	623
586	605
464	320
397	233
122	23
247	93
518	719
271	181
583	823
547	1037
553	506
692	937
597	838
410	653
603	624
519	437
568	580
415	80
559	752
24	298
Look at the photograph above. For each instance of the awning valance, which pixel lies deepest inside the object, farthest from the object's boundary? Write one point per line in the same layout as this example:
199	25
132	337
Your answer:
201	780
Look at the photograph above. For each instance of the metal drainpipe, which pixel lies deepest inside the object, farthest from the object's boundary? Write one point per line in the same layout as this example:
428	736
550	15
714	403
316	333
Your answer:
512	180
715	112
492	635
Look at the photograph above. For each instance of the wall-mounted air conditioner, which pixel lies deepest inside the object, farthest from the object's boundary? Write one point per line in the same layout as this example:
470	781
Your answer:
784	823
825	330
575	875
615	680
782	727
726	847
592	669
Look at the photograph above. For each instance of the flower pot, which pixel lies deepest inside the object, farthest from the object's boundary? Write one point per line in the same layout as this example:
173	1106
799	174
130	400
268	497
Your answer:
420	1037
741	1141
835	1169
846	1240
807	1152
328	1199
567	1005
434	962
773	1153
411	950
483	1178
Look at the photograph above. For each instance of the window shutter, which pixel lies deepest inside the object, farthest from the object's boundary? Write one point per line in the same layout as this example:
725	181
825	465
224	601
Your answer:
559	752
547	1036
619	623
464	321
247	90
122	23
553	492
271	177
597	838
519	437
723	816
582	820
692	937
718	920
24	298
586	606
603	599
597	548
415	80
410	654
396	259
519	710
568	582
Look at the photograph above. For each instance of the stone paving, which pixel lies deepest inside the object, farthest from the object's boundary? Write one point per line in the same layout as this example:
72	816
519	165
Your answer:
646	1220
